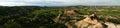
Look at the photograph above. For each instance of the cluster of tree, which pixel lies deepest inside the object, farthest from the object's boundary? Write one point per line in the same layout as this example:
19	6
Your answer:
42	17
28	17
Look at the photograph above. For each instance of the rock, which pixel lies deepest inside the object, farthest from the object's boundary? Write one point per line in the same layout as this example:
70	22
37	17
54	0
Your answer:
112	25
69	18
89	23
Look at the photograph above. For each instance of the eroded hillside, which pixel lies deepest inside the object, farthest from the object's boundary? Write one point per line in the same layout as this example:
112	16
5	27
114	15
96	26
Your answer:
60	17
73	19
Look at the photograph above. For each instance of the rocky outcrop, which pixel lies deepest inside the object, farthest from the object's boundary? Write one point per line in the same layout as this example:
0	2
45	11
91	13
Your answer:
89	23
74	20
112	25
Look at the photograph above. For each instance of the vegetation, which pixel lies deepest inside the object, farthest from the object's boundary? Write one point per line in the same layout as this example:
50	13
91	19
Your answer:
42	17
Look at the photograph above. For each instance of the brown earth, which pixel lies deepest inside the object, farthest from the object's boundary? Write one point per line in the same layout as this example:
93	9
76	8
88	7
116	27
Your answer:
87	22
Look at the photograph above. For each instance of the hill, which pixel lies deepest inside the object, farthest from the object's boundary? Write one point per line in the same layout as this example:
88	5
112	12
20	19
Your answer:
43	17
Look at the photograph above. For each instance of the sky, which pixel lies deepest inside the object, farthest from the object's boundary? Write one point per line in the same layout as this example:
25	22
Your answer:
58	2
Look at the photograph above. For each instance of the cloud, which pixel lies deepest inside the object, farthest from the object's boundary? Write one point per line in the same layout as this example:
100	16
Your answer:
11	4
57	2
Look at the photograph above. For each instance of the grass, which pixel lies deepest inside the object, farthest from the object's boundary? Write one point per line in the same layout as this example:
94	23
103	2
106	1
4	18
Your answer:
21	18
105	11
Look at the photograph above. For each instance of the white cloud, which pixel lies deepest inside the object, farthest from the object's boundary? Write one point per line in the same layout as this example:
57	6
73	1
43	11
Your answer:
58	2
11	4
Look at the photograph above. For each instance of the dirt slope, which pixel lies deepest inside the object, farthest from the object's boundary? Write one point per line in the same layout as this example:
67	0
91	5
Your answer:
72	19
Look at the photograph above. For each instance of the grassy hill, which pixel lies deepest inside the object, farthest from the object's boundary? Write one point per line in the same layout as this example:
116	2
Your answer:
42	17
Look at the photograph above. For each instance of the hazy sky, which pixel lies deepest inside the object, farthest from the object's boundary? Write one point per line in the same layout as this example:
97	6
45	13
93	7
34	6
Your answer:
57	2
